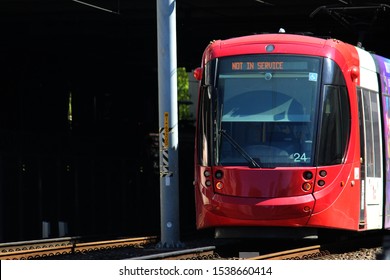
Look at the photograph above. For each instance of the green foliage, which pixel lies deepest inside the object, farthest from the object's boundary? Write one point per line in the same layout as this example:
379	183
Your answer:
183	95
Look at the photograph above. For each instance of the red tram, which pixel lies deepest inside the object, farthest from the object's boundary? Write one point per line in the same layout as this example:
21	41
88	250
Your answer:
292	136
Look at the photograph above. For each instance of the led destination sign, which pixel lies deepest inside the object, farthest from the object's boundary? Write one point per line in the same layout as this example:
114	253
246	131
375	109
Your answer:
260	65
267	65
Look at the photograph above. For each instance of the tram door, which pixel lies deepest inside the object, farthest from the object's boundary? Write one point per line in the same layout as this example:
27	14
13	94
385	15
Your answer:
371	176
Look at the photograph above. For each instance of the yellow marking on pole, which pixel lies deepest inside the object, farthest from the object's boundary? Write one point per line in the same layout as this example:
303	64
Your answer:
166	129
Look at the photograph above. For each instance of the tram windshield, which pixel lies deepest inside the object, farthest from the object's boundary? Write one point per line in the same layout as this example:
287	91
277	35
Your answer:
266	110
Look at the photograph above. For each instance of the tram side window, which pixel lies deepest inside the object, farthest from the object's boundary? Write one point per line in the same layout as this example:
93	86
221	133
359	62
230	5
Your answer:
204	127
335	126
371	132
387	129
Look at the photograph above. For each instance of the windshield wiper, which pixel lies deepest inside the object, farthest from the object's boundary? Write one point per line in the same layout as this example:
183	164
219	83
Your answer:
252	162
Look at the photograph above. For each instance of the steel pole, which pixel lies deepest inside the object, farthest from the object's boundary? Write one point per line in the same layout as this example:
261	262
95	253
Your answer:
168	123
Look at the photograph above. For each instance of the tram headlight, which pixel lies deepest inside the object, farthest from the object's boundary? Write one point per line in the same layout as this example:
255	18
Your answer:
207	174
307	186
323	173
219	185
321	183
218	174
307	175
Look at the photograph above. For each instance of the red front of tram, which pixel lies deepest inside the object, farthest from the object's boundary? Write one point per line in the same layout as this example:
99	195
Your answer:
277	143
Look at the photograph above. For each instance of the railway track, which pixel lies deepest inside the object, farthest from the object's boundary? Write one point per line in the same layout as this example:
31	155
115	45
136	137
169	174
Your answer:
144	248
64	246
309	252
209	253
369	247
199	253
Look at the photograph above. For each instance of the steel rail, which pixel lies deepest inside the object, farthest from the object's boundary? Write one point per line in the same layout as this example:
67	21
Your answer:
116	243
193	253
299	253
52	247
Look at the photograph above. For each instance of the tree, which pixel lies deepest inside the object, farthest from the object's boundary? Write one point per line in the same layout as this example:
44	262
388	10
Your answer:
183	95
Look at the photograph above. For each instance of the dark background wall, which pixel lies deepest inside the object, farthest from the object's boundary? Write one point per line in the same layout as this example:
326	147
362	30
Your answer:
98	173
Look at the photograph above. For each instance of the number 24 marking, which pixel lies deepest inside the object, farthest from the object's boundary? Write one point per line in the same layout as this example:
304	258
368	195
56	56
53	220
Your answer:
300	157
